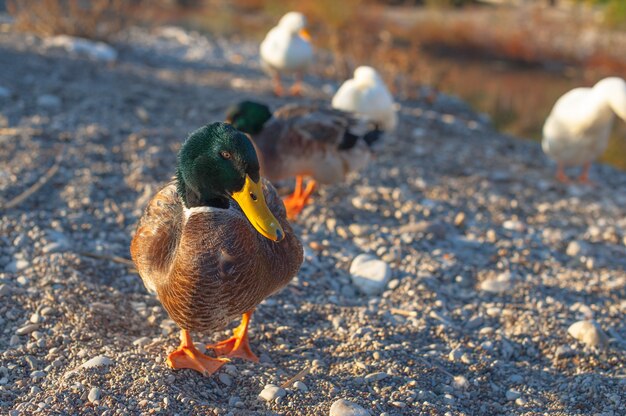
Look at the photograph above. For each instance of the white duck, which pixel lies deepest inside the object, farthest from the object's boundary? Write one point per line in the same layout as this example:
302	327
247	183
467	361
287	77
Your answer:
578	128
287	49
367	95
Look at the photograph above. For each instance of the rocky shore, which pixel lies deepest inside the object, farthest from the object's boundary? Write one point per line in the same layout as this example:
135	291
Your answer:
481	285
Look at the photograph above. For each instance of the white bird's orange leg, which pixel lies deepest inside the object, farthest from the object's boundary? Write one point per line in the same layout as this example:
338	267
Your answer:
584	175
560	174
278	86
296	88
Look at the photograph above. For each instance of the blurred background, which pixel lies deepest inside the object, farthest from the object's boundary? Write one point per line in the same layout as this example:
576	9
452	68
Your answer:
510	59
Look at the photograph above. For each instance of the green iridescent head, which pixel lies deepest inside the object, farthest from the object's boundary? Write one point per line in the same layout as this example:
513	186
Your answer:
248	116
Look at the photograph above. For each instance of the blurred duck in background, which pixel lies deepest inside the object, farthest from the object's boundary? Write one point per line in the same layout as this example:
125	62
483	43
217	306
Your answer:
305	140
367	95
287	49
578	128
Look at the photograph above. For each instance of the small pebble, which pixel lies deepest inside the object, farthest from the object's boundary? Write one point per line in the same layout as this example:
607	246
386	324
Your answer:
370	378
369	274
343	407
4	289
94	395
300	386
27	329
142	342
501	284
588	332
225	379
272	392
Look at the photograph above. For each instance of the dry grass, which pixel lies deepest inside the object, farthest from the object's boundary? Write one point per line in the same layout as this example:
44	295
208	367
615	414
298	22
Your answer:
95	19
397	41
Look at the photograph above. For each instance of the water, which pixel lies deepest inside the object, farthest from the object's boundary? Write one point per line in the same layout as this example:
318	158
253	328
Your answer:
517	98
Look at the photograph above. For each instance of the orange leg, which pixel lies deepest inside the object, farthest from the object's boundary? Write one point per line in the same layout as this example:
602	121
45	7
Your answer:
237	346
560	174
296	88
278	86
296	201
584	175
187	356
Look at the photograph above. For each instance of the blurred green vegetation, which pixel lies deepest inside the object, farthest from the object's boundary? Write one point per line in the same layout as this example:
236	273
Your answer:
614	11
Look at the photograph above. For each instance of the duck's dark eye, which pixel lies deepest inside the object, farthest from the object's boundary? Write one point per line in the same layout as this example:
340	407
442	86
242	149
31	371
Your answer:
225	154
253	196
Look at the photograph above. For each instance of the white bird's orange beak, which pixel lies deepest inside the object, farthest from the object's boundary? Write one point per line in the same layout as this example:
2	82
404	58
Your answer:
304	34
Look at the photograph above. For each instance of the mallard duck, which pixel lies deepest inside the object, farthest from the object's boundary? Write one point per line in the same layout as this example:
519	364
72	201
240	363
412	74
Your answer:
366	94
578	128
287	49
305	140
213	243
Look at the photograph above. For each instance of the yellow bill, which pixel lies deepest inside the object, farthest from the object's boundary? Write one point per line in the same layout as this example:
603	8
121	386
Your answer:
252	202
304	34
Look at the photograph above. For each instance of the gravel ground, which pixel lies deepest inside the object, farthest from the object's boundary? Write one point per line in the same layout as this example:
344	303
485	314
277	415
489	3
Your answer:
489	260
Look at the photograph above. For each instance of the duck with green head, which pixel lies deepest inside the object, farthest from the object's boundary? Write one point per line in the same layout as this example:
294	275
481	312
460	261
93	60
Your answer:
298	140
214	243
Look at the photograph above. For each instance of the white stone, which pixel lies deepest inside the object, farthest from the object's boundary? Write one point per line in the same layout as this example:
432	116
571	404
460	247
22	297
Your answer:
460	382
502	283
98	361
94	395
98	51
142	342
272	392
298	385
577	248
176	33
369	274
53	247
343	407
375	377
513	225
4	290
589	333
27	329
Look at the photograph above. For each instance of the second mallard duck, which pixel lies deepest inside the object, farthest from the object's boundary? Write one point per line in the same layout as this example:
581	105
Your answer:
305	140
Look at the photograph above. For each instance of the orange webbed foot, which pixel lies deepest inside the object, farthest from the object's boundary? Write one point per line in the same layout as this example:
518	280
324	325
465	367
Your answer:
293	206
584	176
587	181
238	345
278	86
234	347
278	90
188	356
295	203
560	175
